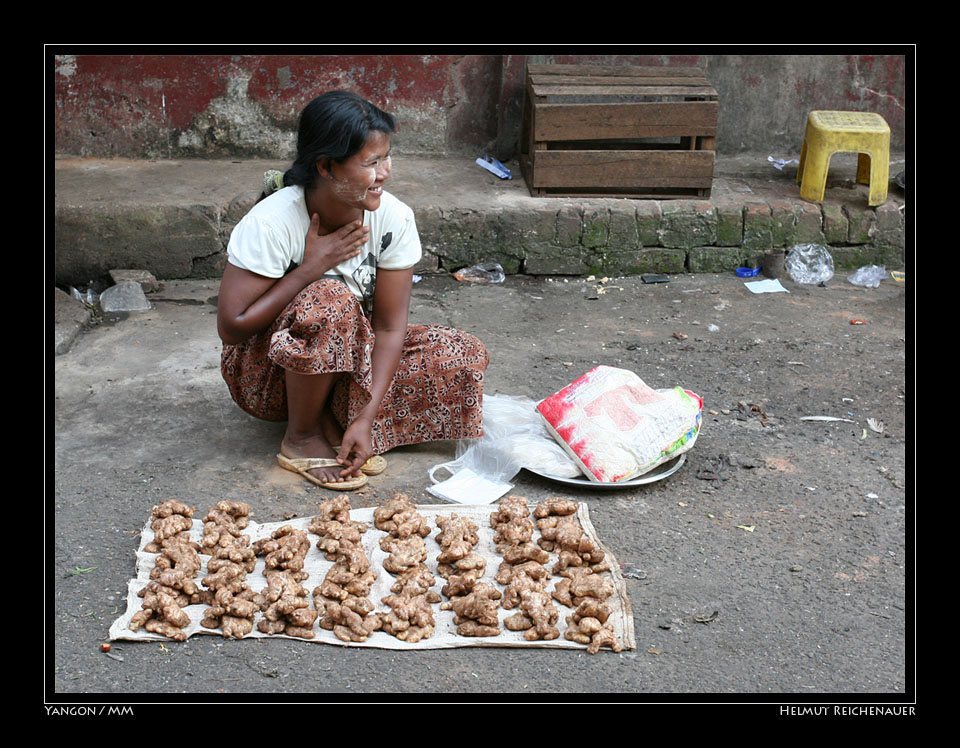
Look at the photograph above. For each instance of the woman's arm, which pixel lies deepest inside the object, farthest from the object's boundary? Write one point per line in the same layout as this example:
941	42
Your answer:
391	303
249	302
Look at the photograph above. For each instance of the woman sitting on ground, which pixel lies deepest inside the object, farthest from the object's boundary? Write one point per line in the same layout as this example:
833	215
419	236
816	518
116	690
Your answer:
313	309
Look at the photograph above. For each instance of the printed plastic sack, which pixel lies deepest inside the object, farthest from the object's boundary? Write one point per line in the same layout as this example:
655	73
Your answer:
617	428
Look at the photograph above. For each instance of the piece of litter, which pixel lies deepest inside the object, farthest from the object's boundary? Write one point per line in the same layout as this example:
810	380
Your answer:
631	572
771	285
417	278
875	425
491	164
713	328
872	496
466	487
825	418
707	619
748	528
779	163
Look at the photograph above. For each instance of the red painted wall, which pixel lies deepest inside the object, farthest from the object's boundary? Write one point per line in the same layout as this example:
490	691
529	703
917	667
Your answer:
129	105
173	106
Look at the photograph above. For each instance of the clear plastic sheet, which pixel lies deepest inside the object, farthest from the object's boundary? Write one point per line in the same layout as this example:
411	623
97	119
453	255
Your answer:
514	437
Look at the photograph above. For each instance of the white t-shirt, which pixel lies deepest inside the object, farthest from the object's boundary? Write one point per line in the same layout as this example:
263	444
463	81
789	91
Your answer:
272	236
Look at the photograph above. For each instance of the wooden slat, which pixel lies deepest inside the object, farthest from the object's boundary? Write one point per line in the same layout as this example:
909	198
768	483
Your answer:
609	170
634	120
621	91
641	71
615	80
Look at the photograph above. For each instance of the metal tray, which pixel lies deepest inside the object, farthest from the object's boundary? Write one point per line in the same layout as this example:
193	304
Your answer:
658	473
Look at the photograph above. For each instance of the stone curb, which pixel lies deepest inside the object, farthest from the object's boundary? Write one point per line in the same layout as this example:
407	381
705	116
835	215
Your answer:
493	223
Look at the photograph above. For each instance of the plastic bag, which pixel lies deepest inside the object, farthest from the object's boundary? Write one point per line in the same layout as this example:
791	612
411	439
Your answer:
809	263
869	276
514	437
486	272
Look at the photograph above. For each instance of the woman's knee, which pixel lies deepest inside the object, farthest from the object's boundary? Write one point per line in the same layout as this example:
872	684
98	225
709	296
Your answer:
450	343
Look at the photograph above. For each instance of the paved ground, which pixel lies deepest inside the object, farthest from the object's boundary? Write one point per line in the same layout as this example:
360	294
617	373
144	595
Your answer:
795	556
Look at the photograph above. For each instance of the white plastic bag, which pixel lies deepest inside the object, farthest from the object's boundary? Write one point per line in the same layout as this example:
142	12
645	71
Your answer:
514	437
868	276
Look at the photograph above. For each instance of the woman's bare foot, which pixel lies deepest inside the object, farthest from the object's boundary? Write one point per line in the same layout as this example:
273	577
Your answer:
313	446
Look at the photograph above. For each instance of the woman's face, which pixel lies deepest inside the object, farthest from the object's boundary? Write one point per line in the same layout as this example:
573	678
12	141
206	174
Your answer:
359	180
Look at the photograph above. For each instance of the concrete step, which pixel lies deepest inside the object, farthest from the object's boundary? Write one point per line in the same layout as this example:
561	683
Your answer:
173	218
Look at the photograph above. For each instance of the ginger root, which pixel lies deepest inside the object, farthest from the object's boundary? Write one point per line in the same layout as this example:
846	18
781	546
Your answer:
286	609
161	612
286	548
560	531
170	519
474	603
585	589
227	520
399	518
334	525
480	606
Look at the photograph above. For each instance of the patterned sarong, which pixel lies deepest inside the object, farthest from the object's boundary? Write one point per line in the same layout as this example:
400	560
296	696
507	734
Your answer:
436	393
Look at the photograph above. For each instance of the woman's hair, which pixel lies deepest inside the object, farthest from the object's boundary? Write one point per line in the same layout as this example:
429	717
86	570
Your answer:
335	125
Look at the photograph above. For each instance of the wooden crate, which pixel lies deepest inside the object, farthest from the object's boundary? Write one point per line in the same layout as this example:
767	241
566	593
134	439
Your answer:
609	131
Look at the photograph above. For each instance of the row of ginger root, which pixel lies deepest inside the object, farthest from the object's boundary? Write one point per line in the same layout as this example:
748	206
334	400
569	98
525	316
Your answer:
342	600
171	587
473	602
410	618
523	572
581	563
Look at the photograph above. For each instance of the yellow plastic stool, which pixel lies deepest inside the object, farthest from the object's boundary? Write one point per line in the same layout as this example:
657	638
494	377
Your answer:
864	133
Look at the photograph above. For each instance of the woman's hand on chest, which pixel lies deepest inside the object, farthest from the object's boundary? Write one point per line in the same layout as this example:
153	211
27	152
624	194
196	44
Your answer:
323	252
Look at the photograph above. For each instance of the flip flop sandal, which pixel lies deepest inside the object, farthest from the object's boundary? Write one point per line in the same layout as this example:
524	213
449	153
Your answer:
374	466
302	464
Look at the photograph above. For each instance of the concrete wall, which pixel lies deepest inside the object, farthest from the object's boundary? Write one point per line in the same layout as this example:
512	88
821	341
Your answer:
176	106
